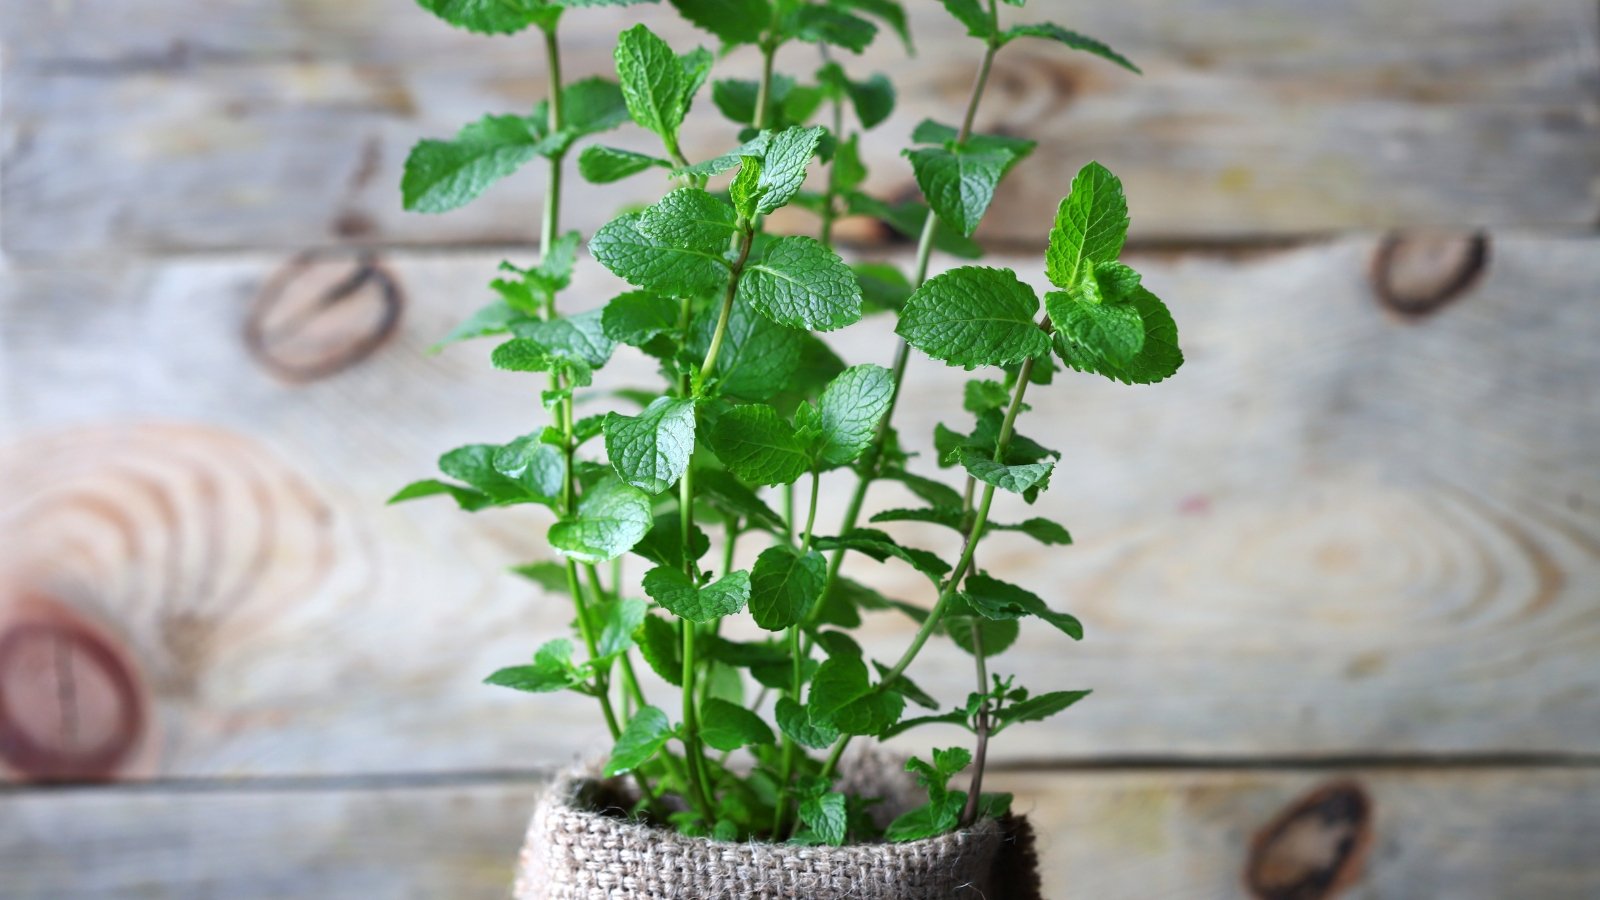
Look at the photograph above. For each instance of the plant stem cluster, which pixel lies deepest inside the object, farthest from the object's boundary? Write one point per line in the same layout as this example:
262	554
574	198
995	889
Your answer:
754	400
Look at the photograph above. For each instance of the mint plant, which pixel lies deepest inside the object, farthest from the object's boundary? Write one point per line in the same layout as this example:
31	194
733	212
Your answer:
754	407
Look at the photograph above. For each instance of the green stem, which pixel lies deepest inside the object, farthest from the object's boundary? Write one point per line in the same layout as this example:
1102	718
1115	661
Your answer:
797	656
552	196
550	224
872	459
811	511
693	748
830	195
969	547
630	679
769	50
969	813
747	238
586	630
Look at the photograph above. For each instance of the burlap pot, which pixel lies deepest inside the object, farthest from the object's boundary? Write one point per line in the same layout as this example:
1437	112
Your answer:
576	850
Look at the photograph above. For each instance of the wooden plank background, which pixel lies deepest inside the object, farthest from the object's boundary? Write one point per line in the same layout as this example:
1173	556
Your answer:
1357	540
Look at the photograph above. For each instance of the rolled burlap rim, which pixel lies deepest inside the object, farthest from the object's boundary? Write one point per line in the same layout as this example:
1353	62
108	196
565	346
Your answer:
577	849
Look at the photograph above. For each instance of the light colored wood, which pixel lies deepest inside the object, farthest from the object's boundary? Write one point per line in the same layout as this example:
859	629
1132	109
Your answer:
259	124
1463	834
1338	531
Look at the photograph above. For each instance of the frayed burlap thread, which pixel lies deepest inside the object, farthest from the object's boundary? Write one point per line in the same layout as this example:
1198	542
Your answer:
575	851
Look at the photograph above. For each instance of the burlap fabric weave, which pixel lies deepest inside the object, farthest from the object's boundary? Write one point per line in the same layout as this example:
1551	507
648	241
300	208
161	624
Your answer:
577	852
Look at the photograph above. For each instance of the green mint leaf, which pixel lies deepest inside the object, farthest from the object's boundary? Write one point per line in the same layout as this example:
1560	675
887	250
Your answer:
1111	332
929	131
1053	32
443	175
953	717
801	283
732	21
852	406
731	497
971	14
959	180
661	648
491	319
756	146
974	316
578	338
1040	529
795	722
466	498
1091	226
474	464
745	190
619	619
950	761
839	682
727	726
846	171
1035	709
880	546
603	165
907	219
883	287
936	493
827	817
1017	479
590	106
679	595
550	576
538	467
758	446
981	395
905	687
520	355
663	543
961	619
611	518
872	715
873	99
1157	359
651	450
783	165
759	357
788	103
784	585
999	600
647	263
634	318
487	16
922	822
736	97
689	218
552	670
823	25
655	82
645	734
890	12
948	516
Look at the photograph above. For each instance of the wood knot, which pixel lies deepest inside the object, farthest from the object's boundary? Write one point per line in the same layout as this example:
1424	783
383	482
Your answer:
321	314
70	709
1314	849
1417	273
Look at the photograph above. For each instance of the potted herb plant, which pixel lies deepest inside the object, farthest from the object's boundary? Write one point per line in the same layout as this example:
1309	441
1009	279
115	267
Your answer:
702	794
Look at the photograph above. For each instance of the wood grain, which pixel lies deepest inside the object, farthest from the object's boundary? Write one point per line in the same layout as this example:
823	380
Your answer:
1464	834
1338	532
262	124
